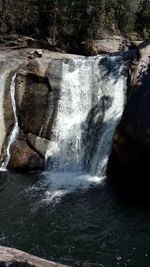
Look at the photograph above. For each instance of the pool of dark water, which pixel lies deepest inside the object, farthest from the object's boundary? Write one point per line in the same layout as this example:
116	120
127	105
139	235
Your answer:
87	227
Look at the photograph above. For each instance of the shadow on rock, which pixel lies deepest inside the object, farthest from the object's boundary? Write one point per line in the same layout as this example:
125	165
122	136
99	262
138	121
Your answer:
131	180
15	264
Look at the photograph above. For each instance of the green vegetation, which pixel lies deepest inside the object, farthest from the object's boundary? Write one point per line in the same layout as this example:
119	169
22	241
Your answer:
18	16
72	22
143	18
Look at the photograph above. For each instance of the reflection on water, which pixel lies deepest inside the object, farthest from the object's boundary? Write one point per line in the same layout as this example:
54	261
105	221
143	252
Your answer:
87	227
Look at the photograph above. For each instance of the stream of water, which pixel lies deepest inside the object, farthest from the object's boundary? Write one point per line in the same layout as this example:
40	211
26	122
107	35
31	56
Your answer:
91	227
15	129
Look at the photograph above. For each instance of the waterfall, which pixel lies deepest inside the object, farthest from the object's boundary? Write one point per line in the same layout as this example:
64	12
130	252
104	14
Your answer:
3	78
66	152
114	88
14	132
90	105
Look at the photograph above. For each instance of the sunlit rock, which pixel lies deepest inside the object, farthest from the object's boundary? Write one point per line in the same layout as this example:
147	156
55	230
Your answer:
10	257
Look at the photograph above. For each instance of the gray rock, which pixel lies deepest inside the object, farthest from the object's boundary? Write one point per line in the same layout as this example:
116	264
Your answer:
110	45
13	257
54	74
35	53
40	144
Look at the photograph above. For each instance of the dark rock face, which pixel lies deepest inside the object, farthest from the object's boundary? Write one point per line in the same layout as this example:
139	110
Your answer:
135	124
37	97
15	264
32	108
131	151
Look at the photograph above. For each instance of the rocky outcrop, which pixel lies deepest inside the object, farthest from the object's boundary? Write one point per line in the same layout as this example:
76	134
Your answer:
37	83
10	257
131	154
108	44
111	45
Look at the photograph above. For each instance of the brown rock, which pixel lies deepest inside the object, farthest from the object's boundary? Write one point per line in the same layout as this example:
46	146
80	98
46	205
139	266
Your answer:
24	158
34	102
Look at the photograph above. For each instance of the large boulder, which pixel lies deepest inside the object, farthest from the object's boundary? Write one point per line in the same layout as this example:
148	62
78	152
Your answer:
39	144
110	45
131	151
23	157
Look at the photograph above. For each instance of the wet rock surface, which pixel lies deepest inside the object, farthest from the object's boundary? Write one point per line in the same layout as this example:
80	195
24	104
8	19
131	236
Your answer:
9	63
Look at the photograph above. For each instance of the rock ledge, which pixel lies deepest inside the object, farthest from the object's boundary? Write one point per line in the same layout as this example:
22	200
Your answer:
16	258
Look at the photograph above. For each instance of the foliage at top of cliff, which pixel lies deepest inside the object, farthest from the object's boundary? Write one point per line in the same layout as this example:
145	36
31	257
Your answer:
70	21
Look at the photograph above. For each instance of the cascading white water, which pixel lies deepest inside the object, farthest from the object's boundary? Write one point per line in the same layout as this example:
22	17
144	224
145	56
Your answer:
15	130
113	86
3	78
90	106
66	152
87	85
